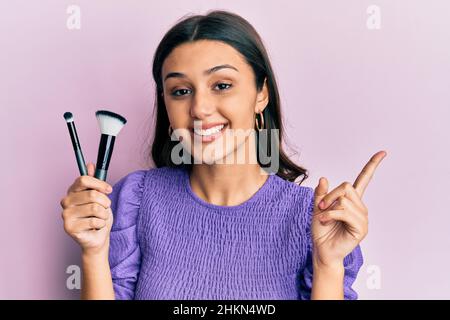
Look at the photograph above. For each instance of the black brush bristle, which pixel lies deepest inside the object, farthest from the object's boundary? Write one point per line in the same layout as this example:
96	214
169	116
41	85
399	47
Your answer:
68	116
111	114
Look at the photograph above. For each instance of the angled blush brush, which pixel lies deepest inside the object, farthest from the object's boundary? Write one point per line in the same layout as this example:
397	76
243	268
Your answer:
110	124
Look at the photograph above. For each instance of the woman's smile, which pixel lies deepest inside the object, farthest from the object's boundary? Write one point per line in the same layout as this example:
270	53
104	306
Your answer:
208	133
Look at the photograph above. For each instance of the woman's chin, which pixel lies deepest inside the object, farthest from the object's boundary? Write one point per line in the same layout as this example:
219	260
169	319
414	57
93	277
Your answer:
216	149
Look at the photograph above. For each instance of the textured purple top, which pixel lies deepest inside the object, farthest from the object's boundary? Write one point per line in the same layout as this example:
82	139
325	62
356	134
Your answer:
167	243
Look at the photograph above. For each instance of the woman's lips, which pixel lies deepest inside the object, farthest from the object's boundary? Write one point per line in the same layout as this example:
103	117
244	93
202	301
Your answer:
209	134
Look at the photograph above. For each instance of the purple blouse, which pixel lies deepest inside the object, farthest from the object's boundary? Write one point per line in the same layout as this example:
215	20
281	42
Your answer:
167	243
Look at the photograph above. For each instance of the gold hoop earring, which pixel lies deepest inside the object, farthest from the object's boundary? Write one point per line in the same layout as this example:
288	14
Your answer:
258	126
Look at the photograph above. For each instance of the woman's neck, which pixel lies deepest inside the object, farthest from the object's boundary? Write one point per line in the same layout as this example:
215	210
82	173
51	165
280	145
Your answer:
226	184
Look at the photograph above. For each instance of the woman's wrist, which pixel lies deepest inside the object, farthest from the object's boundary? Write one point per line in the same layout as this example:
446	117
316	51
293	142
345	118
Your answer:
95	256
336	266
328	279
97	280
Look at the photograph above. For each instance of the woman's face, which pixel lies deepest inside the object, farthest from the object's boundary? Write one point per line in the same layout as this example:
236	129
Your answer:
211	99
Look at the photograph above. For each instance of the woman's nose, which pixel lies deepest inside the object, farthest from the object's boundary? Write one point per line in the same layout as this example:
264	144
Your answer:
202	106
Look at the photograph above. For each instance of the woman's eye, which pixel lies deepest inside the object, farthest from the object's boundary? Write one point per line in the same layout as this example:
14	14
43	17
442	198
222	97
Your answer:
223	86
180	92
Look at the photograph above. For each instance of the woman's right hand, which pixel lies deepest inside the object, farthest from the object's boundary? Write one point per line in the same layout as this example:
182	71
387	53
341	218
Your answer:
87	214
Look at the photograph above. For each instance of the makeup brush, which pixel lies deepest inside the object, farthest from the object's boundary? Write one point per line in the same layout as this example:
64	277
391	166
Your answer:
110	124
75	143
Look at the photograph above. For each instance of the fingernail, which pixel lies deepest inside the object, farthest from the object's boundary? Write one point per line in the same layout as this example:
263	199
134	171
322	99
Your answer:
108	189
321	204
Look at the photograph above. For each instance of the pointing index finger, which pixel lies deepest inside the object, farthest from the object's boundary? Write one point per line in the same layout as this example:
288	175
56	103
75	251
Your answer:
367	172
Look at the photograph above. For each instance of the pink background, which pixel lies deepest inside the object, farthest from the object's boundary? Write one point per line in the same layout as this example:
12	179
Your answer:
347	92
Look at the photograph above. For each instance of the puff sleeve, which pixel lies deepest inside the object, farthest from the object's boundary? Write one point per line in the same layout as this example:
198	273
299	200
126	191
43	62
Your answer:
352	264
124	251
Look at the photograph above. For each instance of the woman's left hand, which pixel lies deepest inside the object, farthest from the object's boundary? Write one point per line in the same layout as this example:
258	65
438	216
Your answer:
340	218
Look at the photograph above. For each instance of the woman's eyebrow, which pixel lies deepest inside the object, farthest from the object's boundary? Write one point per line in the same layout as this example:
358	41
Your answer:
206	72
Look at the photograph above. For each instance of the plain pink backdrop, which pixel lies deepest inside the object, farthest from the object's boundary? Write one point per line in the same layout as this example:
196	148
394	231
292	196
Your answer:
346	93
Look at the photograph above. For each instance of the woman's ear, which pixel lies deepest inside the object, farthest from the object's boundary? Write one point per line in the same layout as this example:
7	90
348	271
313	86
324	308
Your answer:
262	98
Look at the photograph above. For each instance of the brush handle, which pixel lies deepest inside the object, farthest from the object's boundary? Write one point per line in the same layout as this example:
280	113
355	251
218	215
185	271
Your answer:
80	162
101	174
105	150
77	148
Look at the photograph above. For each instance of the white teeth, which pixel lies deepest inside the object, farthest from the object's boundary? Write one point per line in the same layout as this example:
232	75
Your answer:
209	131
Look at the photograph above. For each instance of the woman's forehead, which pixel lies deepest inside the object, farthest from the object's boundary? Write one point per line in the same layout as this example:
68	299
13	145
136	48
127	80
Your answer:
200	55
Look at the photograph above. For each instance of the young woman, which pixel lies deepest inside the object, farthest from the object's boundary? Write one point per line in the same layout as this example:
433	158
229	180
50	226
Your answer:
202	226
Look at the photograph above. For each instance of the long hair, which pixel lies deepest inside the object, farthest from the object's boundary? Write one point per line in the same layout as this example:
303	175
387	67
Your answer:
237	32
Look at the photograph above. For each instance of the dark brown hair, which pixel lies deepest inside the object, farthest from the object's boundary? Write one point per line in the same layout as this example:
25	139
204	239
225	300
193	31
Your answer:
237	32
